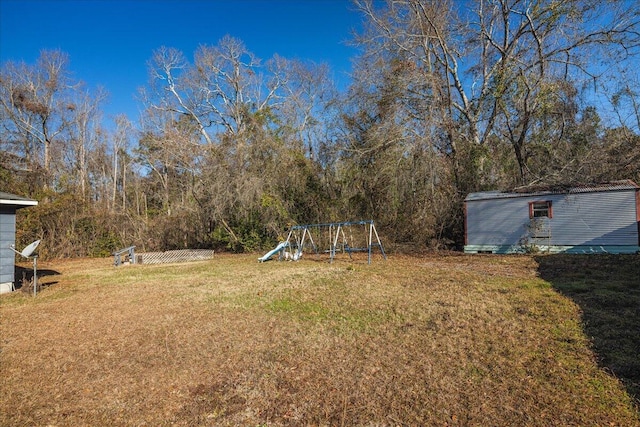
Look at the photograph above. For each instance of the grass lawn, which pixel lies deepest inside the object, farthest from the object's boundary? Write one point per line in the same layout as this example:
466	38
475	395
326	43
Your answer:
438	340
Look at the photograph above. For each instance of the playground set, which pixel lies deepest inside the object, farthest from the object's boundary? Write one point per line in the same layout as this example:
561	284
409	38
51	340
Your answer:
346	237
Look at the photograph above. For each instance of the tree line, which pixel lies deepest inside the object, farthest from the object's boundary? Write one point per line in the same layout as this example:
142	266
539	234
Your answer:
446	98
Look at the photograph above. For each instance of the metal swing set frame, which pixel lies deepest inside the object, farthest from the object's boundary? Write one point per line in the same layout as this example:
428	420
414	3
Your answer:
301	235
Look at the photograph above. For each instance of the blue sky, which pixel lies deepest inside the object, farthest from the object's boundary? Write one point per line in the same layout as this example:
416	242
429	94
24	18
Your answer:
110	42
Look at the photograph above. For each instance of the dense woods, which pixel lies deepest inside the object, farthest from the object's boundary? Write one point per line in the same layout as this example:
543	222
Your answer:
446	98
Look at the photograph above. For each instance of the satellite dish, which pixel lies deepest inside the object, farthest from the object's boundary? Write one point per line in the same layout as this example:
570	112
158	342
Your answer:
28	251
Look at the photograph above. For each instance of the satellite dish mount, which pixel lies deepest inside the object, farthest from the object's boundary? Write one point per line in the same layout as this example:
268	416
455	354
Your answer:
27	252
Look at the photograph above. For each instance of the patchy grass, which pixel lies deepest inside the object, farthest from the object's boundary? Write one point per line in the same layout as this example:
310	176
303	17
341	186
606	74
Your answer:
437	340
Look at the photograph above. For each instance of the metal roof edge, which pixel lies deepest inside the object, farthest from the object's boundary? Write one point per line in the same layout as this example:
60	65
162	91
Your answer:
18	202
15	200
621	185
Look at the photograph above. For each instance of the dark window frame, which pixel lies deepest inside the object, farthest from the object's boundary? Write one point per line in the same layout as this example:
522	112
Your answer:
540	209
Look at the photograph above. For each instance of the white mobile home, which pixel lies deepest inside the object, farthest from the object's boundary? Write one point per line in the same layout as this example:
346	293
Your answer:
602	218
9	204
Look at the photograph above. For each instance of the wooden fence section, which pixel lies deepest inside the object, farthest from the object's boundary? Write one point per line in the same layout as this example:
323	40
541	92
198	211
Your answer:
181	255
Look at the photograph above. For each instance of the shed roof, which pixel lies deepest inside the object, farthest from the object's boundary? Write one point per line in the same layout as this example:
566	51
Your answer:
622	185
18	201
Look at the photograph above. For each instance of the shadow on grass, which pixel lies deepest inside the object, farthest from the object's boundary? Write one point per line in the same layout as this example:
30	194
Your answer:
607	289
25	275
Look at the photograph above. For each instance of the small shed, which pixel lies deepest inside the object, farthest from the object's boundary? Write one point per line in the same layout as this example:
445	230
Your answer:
593	218
9	204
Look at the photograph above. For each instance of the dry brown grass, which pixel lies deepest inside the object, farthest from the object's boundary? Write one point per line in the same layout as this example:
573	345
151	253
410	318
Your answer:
434	340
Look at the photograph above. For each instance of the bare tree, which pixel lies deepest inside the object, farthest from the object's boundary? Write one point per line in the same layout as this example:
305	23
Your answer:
253	118
225	83
121	143
34	104
495	65
169	149
624	98
82	133
306	96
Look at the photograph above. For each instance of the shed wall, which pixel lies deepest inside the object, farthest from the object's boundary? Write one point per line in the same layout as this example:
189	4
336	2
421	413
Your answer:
591	219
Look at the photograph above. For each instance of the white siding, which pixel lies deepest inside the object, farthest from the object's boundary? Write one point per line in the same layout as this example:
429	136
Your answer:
596	219
7	237
496	222
599	218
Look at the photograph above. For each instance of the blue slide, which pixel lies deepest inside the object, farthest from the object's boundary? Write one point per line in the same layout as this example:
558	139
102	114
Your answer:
271	253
